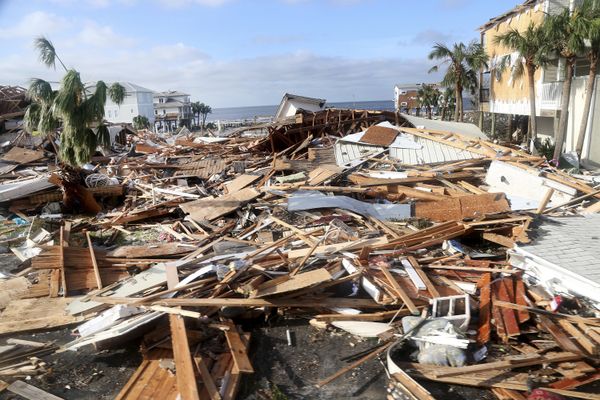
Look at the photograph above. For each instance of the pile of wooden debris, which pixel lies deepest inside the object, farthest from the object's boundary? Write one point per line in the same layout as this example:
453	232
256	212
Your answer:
428	241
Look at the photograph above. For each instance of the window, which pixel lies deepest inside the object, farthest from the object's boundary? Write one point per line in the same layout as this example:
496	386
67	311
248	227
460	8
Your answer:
551	71
109	114
132	110
582	67
404	104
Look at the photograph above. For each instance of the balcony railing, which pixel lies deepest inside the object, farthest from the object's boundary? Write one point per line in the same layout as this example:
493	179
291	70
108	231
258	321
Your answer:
551	94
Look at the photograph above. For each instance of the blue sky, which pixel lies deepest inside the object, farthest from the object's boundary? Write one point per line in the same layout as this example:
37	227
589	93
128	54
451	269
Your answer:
240	52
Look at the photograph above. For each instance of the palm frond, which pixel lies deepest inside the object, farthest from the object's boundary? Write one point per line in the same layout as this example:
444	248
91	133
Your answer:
47	51
103	136
116	92
39	90
439	51
31	118
70	95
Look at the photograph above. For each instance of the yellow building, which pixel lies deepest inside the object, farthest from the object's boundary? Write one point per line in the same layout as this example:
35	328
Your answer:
506	94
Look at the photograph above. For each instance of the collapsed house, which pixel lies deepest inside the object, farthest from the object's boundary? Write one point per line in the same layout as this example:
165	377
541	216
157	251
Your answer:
382	226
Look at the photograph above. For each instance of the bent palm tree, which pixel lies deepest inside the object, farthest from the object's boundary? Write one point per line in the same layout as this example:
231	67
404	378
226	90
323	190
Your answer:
532	49
463	64
590	23
566	33
79	107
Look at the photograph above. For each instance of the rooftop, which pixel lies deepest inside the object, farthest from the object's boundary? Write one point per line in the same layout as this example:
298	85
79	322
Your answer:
170	93
572	243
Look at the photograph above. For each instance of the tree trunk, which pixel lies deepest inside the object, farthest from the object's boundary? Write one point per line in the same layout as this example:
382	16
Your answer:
457	104
589	91
564	110
444	113
532	134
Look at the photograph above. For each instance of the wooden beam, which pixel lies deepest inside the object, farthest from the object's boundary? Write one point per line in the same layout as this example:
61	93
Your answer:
526	360
186	378
399	290
238	350
94	262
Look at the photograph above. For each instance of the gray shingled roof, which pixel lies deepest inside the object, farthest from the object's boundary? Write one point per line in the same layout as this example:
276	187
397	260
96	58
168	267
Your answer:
572	243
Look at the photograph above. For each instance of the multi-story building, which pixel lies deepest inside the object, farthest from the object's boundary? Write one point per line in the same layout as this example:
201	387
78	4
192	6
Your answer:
172	109
505	93
137	101
406	97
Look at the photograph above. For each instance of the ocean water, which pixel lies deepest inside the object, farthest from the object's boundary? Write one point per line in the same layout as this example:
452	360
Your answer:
257	112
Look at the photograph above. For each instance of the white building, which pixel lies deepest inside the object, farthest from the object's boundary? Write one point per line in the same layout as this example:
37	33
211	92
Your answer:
292	103
137	101
172	109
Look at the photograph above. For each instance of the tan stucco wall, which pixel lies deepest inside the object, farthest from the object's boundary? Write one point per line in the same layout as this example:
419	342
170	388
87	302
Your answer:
505	89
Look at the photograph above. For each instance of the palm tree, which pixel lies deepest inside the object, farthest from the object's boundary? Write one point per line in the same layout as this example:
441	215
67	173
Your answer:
79	107
567	35
464	63
447	102
141	122
196	111
204	110
428	98
532	48
590	22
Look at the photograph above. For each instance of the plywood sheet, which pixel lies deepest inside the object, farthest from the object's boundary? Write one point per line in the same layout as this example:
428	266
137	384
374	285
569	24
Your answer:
209	209
379	136
33	314
458	208
21	155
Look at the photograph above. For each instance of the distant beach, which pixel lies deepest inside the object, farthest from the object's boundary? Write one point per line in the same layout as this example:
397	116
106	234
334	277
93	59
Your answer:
262	112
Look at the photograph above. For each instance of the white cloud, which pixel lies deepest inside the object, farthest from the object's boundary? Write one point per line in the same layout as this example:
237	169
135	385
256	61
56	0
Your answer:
102	36
236	82
34	24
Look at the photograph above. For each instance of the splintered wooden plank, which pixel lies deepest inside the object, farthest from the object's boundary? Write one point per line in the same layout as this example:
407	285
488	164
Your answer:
559	335
30	392
150	381
399	290
61	250
511	324
485	314
186	378
299	281
510	362
94	262
238	350
240	182
207	379
413	386
522	315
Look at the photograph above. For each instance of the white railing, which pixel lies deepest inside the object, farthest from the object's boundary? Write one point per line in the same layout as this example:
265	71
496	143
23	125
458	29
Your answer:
551	94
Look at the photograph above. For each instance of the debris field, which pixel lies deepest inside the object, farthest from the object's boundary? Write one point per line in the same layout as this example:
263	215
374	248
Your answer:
452	256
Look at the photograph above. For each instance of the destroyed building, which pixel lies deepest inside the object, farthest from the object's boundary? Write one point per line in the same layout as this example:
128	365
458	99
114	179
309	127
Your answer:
337	238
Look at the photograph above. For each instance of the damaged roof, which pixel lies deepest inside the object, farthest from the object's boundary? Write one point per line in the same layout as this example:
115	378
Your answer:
572	243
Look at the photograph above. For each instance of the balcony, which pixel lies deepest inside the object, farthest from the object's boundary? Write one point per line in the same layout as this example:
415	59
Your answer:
551	94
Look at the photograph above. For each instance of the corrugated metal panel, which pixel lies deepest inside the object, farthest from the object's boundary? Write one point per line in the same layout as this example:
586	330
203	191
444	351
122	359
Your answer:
432	153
